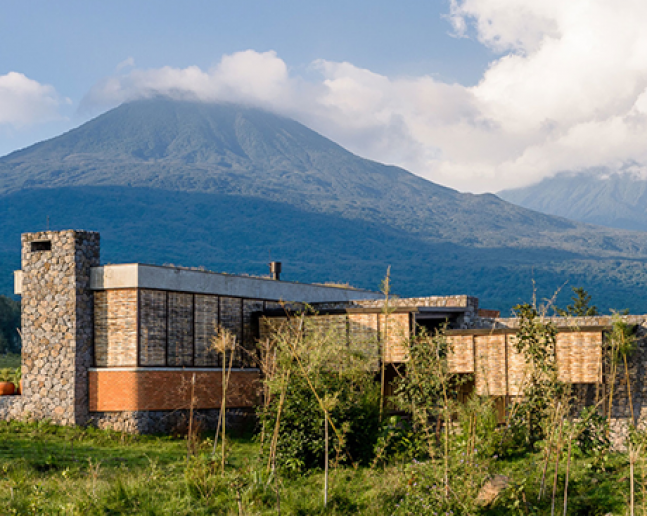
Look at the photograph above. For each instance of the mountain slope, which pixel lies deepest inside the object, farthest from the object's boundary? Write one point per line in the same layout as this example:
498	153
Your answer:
217	148
222	185
236	234
610	199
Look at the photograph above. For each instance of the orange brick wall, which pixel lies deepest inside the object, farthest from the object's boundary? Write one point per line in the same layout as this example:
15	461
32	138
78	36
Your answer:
139	389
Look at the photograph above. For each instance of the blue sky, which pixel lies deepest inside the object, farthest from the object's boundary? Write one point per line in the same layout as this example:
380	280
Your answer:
475	94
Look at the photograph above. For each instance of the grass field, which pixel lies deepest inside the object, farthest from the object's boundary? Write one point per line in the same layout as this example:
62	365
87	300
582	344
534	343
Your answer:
46	469
11	360
53	470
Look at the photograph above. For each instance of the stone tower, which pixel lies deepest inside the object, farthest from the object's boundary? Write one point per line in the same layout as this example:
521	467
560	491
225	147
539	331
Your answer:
57	324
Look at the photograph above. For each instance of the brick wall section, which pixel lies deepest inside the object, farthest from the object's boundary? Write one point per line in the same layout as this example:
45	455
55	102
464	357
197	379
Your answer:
153	390
115	325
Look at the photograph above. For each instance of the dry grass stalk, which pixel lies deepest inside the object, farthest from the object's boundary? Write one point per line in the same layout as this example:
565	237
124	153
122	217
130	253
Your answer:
275	436
326	461
222	342
386	290
560	445
190	434
629	399
568	470
634	455
549	448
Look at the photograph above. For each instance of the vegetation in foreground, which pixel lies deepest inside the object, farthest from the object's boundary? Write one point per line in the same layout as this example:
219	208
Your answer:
52	470
326	443
9	360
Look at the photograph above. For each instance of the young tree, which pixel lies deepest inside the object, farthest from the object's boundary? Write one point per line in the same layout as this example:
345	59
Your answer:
535	340
581	306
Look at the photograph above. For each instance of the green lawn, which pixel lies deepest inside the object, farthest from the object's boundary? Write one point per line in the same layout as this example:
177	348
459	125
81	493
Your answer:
46	469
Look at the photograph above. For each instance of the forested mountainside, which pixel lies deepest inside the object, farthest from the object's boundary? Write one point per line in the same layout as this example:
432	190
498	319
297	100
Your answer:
222	186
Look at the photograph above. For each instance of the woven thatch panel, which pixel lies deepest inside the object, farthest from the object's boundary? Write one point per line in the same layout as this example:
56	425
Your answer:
518	373
326	327
268	326
490	365
579	357
152	328
250	307
231	317
396	329
180	329
206	328
364	337
461	354
115	328
286	327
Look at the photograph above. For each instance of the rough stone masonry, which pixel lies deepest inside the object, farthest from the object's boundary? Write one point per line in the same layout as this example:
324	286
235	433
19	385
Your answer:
57	327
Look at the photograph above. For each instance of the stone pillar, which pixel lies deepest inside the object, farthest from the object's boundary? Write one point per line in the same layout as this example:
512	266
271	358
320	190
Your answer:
57	324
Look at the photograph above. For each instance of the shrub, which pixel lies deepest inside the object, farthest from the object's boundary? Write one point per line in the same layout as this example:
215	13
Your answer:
355	412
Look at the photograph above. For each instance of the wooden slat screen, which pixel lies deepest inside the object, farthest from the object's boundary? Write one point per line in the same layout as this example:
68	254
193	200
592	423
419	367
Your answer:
579	357
490	365
396	328
461	354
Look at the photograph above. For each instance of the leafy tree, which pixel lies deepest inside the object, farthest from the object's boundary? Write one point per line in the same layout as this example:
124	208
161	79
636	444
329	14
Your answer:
9	323
535	340
581	306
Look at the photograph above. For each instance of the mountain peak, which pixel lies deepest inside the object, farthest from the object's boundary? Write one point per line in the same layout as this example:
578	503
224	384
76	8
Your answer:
209	147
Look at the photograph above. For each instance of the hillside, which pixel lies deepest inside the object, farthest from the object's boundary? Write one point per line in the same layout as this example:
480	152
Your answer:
616	200
221	186
232	150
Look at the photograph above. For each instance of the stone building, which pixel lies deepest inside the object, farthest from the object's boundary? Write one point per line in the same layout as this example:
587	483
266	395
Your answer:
118	346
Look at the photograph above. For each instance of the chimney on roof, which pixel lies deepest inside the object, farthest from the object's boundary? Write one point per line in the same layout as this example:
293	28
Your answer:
275	270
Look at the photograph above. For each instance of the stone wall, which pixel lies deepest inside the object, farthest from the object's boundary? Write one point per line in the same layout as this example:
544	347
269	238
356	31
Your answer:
468	319
175	421
57	327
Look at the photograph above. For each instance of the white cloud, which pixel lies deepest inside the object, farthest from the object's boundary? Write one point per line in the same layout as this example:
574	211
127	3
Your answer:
568	93
126	63
25	102
250	77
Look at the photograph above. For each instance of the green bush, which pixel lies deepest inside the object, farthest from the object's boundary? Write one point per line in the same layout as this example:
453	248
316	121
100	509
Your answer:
355	414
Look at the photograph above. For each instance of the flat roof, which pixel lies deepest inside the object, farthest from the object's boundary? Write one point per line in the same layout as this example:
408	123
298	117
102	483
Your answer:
508	331
176	279
421	312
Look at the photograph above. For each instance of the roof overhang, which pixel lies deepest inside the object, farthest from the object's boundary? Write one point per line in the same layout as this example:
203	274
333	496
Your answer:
135	275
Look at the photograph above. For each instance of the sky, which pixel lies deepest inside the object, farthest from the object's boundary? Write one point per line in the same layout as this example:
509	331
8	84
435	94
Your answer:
478	95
